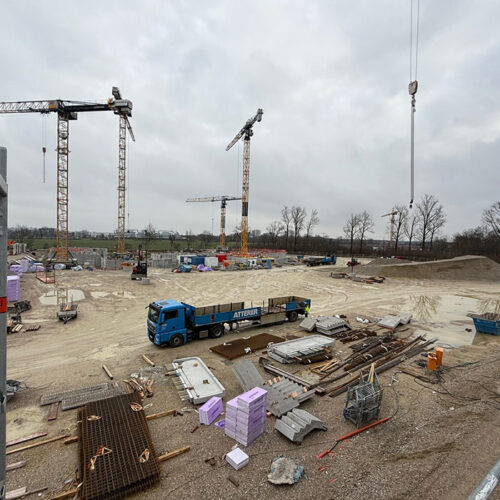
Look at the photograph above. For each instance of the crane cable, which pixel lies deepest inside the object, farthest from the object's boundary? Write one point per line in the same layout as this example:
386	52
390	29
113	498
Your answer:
412	90
44	141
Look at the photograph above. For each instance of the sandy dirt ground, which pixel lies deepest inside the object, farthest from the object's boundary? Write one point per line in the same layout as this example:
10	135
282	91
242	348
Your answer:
440	442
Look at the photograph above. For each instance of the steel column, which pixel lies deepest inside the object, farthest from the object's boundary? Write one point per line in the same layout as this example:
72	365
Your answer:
122	169
3	313
62	186
244	195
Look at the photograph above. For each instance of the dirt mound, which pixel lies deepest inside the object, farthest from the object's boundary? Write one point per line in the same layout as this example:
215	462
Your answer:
468	267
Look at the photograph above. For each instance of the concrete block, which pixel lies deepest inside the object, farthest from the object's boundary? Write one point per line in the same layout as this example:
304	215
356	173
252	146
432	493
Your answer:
296	424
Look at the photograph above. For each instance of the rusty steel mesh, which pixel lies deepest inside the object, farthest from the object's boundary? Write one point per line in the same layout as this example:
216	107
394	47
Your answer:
117	456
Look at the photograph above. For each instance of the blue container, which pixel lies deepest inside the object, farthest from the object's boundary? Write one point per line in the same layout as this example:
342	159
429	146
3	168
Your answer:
487	326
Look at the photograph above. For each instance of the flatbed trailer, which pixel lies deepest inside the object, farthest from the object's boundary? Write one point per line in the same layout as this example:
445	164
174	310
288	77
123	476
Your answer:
174	323
320	261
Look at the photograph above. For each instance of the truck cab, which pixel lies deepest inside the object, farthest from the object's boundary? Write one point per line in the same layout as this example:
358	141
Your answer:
167	322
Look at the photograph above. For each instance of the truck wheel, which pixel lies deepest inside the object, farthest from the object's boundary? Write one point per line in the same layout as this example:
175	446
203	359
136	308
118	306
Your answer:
176	341
216	331
292	316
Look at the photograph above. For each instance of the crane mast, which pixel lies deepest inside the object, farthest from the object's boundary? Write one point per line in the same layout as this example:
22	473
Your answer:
246	132
223	203
393	224
67	110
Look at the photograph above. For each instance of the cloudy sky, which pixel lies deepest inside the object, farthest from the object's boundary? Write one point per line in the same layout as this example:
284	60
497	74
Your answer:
332	79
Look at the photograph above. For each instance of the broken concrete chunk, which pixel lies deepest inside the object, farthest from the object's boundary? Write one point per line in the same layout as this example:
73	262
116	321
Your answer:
285	470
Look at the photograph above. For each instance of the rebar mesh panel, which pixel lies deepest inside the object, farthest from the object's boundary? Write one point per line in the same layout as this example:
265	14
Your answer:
112	423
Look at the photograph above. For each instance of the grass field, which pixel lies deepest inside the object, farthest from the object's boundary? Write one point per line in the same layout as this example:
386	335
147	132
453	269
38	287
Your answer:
130	244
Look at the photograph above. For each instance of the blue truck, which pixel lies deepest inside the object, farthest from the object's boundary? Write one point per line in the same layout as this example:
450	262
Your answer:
320	261
174	323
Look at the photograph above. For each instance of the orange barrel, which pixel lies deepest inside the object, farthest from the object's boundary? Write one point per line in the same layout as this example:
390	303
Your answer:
431	361
439	355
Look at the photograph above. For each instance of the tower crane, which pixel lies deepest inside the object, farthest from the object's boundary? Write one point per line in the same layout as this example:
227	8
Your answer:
68	110
122	170
393	223
246	132
223	202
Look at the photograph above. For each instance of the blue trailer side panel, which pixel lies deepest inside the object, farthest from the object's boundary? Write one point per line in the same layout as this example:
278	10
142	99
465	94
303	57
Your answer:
223	317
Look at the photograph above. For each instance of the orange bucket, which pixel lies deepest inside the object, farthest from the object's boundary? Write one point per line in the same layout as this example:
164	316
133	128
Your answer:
431	361
439	355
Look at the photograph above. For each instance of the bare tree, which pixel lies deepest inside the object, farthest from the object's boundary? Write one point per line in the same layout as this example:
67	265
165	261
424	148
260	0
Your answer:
401	222
206	237
491	218
274	230
366	225
427	209
351	228
171	237
20	233
150	234
311	224
437	222
411	229
189	238
298	215
287	220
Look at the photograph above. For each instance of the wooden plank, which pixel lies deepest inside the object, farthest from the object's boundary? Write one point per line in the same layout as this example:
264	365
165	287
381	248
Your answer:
161	414
70	440
172	454
34	445
65	494
148	361
13	494
108	373
24	439
15	465
52	415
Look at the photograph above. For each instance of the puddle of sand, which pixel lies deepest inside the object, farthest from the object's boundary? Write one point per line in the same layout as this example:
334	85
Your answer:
50	298
124	294
99	295
445	317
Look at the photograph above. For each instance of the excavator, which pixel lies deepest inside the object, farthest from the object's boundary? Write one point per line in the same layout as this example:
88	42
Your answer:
140	270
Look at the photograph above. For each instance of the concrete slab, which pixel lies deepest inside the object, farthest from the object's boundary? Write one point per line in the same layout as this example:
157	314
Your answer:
288	351
198	381
308	324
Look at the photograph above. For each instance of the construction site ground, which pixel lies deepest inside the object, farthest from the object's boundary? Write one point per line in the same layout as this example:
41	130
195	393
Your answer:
440	442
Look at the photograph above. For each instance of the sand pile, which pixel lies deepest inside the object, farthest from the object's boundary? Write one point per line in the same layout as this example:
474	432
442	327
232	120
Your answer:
467	267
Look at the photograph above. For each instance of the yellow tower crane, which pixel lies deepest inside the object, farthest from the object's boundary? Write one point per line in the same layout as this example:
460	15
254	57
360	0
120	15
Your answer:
223	203
68	110
392	215
246	132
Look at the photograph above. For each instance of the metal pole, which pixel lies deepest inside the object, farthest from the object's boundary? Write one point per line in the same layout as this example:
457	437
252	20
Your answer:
3	313
486	487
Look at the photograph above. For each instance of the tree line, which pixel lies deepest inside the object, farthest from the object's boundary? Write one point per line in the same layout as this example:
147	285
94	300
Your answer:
416	233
